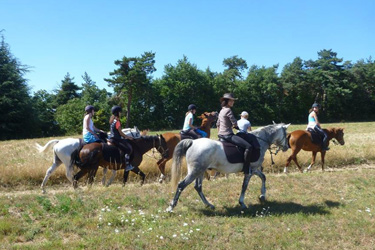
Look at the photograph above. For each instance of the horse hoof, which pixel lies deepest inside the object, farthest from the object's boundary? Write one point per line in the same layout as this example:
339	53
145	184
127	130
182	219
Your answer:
262	199
243	206
169	209
75	184
211	206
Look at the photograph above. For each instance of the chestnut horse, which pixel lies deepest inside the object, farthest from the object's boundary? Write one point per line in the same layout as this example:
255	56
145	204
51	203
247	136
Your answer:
92	155
301	139
172	139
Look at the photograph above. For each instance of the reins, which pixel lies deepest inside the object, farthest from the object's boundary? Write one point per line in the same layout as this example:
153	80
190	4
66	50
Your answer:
270	148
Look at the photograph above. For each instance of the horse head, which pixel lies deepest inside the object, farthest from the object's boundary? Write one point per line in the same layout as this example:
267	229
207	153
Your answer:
281	139
208	118
338	134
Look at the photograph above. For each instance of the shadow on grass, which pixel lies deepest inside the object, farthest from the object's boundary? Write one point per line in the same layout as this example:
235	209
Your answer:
273	208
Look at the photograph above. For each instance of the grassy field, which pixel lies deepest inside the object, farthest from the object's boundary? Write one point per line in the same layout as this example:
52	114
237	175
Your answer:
318	210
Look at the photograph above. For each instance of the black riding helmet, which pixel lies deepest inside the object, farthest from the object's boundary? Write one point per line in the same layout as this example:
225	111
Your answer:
315	105
116	109
192	106
89	108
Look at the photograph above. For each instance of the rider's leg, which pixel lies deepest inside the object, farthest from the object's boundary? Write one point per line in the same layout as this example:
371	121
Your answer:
247	154
325	137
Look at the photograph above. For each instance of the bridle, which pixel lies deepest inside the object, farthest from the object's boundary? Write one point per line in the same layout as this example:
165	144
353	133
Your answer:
277	147
160	148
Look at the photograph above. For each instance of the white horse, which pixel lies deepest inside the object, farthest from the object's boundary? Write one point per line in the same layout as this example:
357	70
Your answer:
202	154
62	151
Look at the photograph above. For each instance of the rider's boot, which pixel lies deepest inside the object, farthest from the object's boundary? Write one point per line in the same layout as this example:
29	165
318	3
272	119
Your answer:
247	158
127	162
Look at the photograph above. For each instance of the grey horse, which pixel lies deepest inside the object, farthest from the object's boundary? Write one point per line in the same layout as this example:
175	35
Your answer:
203	154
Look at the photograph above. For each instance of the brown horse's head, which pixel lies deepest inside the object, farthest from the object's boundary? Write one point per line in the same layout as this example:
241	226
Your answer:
208	118
338	134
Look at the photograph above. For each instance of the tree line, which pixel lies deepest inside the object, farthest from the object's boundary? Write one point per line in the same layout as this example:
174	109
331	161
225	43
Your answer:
343	88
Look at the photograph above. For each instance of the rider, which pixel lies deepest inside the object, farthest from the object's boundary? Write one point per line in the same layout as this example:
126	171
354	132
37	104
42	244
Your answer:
89	130
243	124
225	123
116	135
313	123
189	129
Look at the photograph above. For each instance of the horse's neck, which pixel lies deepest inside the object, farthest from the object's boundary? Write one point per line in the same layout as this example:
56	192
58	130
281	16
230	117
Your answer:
205	126
330	134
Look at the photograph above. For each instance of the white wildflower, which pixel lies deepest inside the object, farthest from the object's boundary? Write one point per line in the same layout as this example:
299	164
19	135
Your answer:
109	223
368	210
161	237
117	231
185	224
174	236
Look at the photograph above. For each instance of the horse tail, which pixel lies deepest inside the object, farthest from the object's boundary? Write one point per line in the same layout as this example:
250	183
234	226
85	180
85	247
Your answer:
179	152
74	157
47	146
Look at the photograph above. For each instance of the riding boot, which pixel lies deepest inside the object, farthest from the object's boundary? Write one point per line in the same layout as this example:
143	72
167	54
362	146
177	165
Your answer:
247	159
127	162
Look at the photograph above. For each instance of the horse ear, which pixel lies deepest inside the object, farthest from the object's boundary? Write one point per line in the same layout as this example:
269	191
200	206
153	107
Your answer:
274	123
286	126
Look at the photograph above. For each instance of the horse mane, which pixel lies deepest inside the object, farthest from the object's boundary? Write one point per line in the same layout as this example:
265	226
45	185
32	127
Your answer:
269	129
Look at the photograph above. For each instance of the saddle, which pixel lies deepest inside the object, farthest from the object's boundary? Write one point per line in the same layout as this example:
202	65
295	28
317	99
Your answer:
316	138
185	135
235	154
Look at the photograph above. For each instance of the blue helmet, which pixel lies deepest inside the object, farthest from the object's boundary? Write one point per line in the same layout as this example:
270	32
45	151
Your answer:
192	106
116	109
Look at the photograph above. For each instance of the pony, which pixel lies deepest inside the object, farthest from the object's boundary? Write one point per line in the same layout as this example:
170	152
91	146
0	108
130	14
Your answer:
96	154
62	151
172	139
302	139
203	154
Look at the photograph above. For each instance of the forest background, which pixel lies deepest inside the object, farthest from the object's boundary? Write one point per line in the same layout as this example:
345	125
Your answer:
345	89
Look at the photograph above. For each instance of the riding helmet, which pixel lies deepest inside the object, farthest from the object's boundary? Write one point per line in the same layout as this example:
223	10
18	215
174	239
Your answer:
315	105
89	108
116	109
192	106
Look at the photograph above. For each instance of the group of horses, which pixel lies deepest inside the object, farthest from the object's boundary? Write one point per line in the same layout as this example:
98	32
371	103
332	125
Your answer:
201	155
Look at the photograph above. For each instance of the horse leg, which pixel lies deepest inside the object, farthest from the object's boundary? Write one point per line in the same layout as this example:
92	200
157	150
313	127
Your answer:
262	197
92	174
198	187
104	176
323	153
161	164
181	186
245	183
113	171
138	172
49	172
125	177
78	176
312	161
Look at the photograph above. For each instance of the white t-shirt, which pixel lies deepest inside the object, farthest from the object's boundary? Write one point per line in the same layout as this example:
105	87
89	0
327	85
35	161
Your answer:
243	124
187	120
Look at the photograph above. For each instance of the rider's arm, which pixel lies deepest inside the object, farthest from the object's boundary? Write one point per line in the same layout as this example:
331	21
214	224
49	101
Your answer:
316	119
191	123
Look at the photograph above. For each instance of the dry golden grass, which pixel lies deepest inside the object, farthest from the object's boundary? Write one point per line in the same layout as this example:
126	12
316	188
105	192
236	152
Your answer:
21	164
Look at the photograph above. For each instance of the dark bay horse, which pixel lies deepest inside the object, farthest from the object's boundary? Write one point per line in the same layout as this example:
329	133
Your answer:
208	118
93	155
301	139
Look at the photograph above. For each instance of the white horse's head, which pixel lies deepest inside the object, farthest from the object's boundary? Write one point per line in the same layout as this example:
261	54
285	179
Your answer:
280	138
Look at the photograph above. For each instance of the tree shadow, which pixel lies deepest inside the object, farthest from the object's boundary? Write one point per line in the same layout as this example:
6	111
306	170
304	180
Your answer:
273	208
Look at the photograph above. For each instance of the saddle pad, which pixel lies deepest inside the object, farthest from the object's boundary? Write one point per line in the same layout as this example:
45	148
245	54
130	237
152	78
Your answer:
235	154
316	138
112	153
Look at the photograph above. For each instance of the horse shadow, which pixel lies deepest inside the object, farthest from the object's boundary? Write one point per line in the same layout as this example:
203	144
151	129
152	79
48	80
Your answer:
273	208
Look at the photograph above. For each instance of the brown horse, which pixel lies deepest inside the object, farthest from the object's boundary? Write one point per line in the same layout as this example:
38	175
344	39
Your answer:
301	139
93	155
173	138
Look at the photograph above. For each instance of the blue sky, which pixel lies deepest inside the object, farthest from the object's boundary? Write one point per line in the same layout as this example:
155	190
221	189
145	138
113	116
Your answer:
77	36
